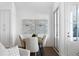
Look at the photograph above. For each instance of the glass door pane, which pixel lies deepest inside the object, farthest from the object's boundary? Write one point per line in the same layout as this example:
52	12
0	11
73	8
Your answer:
76	22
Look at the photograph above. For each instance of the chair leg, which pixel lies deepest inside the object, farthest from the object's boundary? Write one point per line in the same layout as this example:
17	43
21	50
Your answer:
35	54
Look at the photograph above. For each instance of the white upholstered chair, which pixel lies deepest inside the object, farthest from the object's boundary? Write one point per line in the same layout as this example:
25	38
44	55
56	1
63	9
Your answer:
24	52
43	40
32	44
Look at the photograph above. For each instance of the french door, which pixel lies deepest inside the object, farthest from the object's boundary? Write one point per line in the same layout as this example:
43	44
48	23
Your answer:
71	29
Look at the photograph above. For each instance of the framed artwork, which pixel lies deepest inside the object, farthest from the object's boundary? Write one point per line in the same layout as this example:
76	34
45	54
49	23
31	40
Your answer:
34	26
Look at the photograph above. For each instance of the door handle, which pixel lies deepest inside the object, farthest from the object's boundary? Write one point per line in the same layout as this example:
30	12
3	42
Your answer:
68	34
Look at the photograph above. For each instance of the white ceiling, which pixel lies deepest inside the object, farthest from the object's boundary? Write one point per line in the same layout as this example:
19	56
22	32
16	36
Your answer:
38	7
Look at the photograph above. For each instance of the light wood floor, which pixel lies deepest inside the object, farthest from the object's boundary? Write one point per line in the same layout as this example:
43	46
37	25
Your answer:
48	51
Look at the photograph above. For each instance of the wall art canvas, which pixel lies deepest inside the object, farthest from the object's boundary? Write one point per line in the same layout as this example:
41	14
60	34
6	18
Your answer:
34	26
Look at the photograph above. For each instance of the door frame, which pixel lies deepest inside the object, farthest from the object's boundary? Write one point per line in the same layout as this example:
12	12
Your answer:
55	11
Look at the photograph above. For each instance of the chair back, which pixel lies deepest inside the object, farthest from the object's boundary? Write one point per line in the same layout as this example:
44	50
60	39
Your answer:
32	44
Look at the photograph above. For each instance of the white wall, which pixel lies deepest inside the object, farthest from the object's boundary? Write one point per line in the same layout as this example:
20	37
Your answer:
26	14
13	24
62	42
51	28
4	5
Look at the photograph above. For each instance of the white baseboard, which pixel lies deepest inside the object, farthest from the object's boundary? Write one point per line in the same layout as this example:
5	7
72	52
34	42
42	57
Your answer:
56	51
